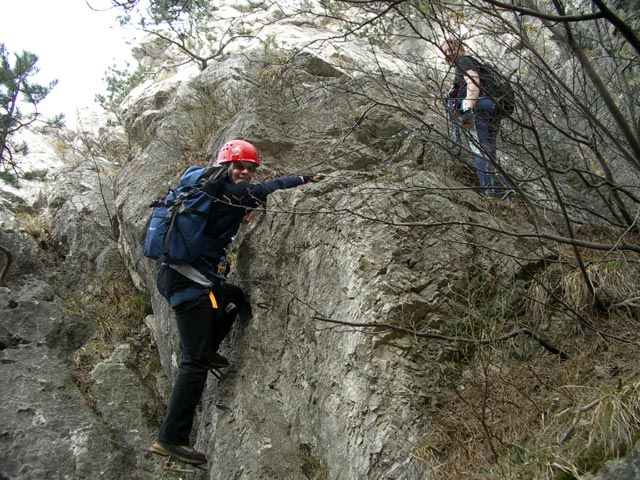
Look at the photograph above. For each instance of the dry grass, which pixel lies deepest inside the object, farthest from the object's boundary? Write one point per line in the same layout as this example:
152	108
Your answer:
516	411
607	288
38	226
200	124
117	311
511	210
615	288
541	419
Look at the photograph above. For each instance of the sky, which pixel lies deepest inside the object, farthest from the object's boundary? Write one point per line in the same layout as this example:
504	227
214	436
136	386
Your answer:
74	45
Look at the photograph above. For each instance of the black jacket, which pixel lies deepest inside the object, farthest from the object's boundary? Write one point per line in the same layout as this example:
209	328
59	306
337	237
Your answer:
462	65
232	203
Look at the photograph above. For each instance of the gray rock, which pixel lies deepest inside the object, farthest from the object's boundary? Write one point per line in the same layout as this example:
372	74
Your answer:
47	428
627	468
303	397
83	215
124	402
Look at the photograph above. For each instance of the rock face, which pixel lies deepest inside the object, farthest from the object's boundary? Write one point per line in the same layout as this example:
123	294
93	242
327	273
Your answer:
351	402
50	428
627	468
305	398
83	222
48	431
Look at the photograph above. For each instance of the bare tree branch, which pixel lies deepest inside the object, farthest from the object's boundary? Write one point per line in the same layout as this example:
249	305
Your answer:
436	336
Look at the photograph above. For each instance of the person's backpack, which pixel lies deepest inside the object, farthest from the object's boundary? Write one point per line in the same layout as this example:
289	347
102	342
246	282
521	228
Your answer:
498	89
177	222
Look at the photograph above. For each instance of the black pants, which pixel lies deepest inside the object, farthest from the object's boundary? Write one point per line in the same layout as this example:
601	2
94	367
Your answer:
201	328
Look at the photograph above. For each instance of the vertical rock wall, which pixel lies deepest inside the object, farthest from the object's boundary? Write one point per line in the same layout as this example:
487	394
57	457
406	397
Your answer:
304	397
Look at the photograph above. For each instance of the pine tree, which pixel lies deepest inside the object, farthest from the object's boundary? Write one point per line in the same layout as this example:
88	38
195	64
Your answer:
17	92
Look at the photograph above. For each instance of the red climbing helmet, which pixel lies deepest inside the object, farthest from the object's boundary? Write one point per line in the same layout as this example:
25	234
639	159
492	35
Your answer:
238	151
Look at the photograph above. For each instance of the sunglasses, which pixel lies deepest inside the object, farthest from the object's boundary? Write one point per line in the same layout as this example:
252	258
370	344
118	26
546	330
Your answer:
245	166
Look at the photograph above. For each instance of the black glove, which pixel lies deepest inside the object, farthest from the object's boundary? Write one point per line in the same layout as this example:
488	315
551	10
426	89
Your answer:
313	178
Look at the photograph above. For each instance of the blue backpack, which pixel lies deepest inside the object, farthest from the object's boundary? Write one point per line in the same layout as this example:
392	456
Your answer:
176	226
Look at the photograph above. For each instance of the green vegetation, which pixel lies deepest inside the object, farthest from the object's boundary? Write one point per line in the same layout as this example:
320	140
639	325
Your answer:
19	92
185	27
507	409
312	466
119	83
198	121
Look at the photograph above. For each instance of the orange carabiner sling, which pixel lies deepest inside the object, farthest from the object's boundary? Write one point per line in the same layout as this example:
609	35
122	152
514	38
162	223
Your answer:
212	297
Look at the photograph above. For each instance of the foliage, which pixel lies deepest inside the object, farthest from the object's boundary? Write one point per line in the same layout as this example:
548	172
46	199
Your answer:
577	122
514	413
17	91
119	83
188	26
573	146
312	466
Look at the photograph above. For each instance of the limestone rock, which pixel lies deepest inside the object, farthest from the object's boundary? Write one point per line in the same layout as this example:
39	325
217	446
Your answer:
48	430
83	220
627	468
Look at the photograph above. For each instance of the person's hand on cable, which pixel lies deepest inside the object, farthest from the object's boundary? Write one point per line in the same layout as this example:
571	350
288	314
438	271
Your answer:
313	178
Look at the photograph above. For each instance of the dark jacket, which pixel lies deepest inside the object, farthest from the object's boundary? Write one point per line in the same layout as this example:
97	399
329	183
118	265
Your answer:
462	65
232	203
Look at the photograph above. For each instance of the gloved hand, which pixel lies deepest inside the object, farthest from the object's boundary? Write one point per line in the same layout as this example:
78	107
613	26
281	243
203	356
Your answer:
313	178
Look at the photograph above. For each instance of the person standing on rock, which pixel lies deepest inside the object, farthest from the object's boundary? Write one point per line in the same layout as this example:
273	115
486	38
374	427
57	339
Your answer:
205	305
478	114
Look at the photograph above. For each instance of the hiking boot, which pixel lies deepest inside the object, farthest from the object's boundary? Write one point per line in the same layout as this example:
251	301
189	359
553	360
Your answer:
218	361
184	453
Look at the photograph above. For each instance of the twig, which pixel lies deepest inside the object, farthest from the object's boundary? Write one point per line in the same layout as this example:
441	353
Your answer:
579	411
619	245
523	331
6	265
630	302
